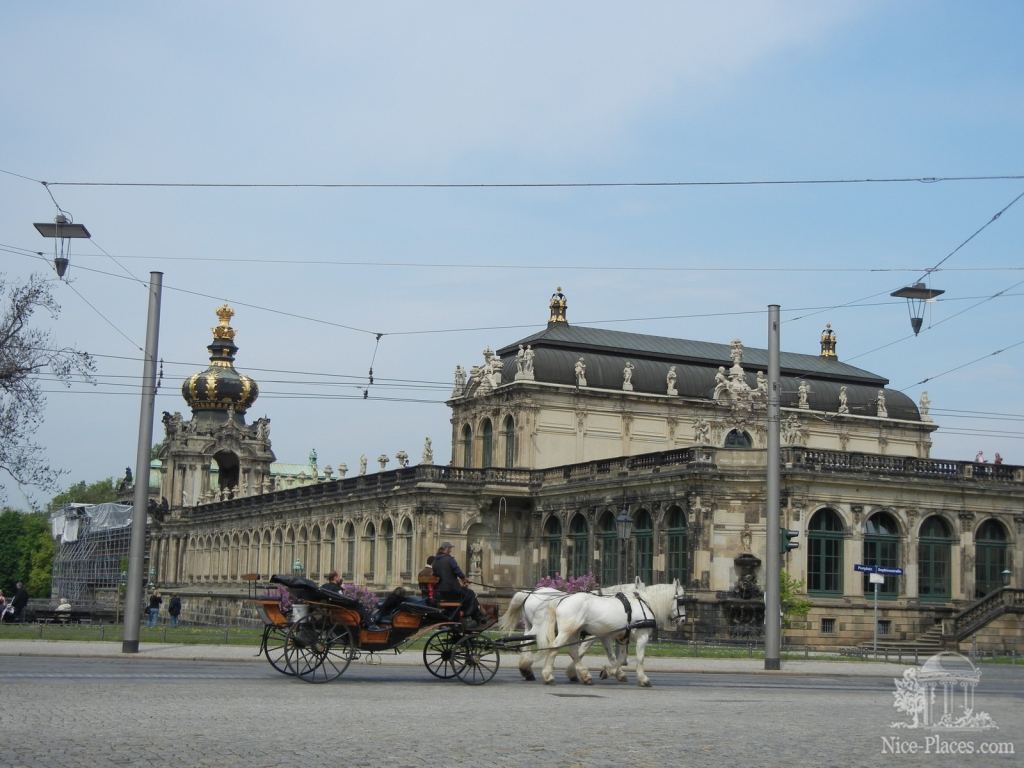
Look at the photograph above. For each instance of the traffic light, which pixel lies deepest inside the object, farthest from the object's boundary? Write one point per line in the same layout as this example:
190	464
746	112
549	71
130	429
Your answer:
785	540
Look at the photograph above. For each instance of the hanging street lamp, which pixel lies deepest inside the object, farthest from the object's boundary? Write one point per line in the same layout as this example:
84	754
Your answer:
916	296
62	230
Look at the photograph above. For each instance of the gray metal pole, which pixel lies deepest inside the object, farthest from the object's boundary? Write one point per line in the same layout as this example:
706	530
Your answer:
137	547
874	640
773	557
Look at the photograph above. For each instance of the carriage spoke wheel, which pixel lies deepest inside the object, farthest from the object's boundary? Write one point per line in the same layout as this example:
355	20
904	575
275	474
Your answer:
479	659
438	656
275	641
303	645
337	650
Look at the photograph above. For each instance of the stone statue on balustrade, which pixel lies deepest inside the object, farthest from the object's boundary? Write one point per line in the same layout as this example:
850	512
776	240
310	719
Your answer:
803	391
428	452
627	376
882	412
580	369
362	464
721	384
402	458
342	470
383	461
761	387
844	406
670	381
925	405
460	381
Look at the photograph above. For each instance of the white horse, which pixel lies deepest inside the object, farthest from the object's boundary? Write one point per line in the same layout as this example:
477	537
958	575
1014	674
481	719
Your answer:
530	608
606	619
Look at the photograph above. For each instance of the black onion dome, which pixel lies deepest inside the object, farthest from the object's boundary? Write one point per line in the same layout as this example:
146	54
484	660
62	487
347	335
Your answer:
220	386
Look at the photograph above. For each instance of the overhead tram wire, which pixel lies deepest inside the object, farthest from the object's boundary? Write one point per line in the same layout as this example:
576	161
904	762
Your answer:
812	310
960	367
529	184
942	261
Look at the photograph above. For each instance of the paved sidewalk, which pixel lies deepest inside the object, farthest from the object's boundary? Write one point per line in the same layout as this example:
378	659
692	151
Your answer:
240	653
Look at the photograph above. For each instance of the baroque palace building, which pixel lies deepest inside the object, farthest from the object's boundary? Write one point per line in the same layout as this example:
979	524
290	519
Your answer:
554	436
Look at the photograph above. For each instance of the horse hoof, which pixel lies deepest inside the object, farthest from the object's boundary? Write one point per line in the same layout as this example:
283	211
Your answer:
589	681
645	684
604	674
528	675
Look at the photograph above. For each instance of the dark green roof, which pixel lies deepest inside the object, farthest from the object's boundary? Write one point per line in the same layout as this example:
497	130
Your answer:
559	345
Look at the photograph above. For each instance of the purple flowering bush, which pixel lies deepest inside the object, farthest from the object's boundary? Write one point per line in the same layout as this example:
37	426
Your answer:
366	597
572	584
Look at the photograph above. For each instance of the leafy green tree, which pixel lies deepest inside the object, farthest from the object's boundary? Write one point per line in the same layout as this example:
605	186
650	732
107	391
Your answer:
95	493
792	594
37	553
10	549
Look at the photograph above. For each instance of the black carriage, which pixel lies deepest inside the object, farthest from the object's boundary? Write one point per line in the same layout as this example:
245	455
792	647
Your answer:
326	630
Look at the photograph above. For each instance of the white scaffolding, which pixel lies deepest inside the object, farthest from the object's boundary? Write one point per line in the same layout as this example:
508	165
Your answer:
92	551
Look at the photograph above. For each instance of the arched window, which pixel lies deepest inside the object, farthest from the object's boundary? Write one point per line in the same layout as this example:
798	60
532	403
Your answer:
327	554
738	439
934	545
487	443
467	446
370	548
349	570
643	535
610	550
825	553
579	537
882	547
388	535
407	546
675	552
552	547
510	442
315	540
989	557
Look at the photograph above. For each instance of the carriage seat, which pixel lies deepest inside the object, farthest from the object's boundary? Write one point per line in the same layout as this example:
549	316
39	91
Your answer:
297	586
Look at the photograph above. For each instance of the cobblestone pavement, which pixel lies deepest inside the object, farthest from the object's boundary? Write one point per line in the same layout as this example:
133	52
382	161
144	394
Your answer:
93	713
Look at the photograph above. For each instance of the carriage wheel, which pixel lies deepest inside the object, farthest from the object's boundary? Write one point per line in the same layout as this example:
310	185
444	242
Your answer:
479	658
275	642
438	657
335	648
303	646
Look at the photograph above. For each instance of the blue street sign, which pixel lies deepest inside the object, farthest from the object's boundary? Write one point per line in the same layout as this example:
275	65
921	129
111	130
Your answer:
882	569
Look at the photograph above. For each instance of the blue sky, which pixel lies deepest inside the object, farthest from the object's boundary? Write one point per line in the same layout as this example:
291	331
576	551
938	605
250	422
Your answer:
531	92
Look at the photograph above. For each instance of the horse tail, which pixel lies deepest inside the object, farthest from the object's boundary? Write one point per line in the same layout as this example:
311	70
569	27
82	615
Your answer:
548	626
511	618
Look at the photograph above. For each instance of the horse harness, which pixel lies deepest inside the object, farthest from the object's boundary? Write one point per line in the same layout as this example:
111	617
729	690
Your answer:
647	622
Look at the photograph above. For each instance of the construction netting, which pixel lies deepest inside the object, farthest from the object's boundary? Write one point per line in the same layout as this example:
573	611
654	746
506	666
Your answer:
92	551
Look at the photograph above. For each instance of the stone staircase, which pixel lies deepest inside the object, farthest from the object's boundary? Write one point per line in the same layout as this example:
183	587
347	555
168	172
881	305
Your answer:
930	642
958	628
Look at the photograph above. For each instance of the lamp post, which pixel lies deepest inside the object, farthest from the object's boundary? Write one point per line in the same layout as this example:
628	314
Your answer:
137	545
61	231
624	527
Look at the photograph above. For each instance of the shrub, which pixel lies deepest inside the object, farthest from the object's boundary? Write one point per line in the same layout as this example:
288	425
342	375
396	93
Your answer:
572	584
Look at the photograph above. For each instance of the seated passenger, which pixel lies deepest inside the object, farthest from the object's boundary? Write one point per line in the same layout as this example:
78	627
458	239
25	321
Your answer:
426	580
333	582
390	605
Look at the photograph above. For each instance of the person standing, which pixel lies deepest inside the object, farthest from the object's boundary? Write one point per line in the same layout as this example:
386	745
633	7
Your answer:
452	583
174	610
19	601
155	601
